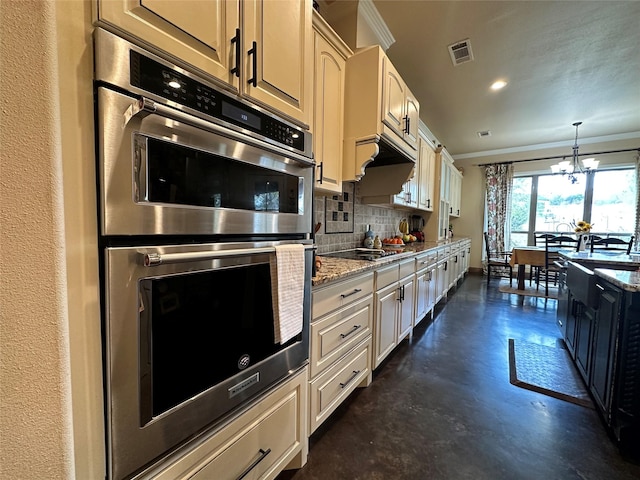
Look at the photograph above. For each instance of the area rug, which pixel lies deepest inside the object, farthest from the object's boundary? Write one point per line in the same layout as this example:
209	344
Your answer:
529	291
547	370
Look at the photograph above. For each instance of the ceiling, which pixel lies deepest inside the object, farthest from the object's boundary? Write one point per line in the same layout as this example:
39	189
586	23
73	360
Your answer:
564	61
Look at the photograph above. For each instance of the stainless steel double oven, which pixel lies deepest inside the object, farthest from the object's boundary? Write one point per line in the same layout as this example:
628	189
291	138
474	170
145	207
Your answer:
196	190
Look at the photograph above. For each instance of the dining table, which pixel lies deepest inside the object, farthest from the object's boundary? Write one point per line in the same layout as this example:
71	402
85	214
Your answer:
523	256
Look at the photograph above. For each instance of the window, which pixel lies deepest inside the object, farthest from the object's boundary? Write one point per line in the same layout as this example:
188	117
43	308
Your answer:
550	203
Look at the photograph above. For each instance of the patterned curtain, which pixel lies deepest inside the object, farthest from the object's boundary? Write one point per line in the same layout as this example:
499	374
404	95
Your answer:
499	180
637	230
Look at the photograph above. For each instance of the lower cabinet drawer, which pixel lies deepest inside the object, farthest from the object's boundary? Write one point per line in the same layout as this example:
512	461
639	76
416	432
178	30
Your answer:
255	450
332	387
259	443
335	334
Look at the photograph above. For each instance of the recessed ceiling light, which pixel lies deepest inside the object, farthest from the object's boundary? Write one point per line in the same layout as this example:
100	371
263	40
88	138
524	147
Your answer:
498	84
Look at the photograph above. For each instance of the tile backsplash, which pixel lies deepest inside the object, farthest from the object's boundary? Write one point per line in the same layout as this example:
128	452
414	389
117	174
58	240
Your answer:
384	222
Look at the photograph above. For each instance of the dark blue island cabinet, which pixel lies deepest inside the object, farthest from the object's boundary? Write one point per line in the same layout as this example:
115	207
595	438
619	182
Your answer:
603	337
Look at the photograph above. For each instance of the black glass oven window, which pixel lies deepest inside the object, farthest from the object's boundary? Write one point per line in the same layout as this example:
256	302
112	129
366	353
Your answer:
184	176
200	326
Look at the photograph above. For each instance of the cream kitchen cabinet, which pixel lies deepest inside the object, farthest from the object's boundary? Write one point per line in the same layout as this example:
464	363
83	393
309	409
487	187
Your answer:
426	175
330	55
340	360
262	441
425	284
401	110
381	119
258	49
393	305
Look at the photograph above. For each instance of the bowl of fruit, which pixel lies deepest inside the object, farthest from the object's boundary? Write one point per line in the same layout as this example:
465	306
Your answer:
404	230
393	242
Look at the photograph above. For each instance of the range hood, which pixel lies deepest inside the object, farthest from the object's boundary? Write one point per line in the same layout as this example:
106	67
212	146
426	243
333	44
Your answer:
384	167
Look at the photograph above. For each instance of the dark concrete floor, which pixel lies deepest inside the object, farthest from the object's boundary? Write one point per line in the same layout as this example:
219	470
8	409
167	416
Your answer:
442	407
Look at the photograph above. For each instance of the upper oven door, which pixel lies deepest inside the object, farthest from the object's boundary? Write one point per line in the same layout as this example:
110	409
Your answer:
164	172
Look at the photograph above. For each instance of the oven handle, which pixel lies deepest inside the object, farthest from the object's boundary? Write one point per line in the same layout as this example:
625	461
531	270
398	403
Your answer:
144	106
155	259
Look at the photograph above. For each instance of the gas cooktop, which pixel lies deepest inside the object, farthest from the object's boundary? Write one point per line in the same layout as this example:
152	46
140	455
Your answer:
368	254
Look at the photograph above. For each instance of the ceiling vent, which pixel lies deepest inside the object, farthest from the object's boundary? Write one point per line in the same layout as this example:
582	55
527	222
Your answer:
484	133
460	52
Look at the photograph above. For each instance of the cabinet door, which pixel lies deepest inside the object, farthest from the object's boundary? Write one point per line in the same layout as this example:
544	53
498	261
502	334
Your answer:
198	32
570	335
422	295
603	347
328	115
426	181
393	95
412	116
385	331
431	278
585	321
405	313
278	56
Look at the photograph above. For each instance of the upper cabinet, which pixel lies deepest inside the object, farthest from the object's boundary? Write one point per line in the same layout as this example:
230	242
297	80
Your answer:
451	185
427	175
381	121
268	57
401	110
330	54
278	56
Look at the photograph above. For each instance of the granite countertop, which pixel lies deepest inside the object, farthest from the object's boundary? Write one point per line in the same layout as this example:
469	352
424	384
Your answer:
625	279
336	268
601	259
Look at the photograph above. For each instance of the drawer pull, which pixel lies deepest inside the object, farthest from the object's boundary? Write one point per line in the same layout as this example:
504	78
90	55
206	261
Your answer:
355	290
263	454
350	332
355	374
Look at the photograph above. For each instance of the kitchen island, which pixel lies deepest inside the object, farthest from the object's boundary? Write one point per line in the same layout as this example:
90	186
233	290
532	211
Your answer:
602	334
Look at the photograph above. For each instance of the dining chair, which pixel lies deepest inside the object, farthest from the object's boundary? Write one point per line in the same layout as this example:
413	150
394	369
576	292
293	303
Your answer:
538	240
552	262
497	261
612	244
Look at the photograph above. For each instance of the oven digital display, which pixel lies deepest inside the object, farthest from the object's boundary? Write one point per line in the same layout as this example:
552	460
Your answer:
240	115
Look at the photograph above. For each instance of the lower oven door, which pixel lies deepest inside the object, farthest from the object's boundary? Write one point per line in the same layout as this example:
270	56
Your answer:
189	338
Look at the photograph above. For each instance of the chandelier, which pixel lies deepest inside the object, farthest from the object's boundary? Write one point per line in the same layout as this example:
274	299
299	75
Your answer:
571	167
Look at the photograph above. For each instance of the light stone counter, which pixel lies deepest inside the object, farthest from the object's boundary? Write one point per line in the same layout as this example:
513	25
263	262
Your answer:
333	268
603	260
624	279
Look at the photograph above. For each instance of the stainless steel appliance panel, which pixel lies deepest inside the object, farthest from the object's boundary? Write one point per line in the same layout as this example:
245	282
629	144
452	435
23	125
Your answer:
124	177
139	433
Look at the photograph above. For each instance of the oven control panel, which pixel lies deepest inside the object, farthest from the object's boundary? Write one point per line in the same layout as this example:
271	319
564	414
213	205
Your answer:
152	76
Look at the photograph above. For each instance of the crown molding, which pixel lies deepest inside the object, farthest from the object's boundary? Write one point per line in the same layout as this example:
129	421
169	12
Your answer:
544	146
370	15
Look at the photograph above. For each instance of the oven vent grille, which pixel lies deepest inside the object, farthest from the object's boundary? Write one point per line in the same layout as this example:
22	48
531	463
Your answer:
460	52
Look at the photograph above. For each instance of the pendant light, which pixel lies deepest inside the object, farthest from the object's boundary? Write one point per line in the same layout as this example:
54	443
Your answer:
571	167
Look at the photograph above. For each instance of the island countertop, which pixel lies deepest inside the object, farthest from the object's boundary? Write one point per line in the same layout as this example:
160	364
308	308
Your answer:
603	260
624	279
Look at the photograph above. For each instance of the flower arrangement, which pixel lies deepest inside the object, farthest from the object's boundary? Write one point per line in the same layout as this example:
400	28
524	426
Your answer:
581	226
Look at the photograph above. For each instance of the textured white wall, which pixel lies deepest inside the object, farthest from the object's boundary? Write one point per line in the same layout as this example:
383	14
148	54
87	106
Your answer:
35	419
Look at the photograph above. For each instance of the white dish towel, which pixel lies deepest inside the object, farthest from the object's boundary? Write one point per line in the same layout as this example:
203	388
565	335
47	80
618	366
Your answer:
287	281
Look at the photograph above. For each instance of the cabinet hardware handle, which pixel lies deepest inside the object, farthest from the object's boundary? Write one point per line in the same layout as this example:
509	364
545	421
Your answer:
450	209
428	203
458	212
254	52
263	454
430	275
446	264
600	287
236	40
350	332
321	176
355	374
355	290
